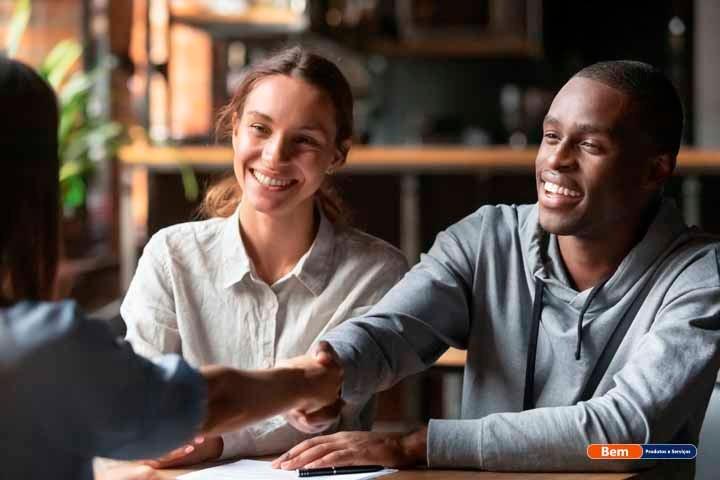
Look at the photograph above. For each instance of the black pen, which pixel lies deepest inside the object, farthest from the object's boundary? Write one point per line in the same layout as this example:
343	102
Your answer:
316	472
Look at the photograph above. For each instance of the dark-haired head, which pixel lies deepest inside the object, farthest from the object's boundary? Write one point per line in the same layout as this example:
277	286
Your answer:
30	190
313	69
656	102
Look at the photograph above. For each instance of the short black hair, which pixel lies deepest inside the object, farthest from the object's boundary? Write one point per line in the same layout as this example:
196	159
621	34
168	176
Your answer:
656	99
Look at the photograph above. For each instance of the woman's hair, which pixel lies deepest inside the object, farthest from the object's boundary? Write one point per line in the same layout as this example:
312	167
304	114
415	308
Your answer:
30	188
223	197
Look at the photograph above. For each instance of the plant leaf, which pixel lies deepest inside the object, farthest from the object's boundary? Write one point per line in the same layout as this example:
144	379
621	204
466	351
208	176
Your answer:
190	183
73	193
18	24
59	61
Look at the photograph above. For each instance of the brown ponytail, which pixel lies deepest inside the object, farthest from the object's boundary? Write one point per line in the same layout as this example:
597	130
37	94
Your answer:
222	198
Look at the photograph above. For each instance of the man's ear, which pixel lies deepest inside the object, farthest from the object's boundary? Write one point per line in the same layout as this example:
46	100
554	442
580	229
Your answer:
662	167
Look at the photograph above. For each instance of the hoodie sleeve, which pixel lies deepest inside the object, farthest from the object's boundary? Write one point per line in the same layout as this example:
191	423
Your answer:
405	333
668	378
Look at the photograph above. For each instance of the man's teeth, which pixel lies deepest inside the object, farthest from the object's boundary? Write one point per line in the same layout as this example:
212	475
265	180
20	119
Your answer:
269	181
555	188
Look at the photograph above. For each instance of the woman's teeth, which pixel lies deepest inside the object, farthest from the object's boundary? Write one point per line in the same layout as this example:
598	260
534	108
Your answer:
269	181
557	189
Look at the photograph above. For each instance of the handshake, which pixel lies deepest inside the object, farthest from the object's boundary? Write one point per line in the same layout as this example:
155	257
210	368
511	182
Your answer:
306	389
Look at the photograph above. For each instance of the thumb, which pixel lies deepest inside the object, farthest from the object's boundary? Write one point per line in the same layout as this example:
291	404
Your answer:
325	355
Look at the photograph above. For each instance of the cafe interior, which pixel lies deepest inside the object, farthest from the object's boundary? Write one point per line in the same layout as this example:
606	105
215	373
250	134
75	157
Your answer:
449	102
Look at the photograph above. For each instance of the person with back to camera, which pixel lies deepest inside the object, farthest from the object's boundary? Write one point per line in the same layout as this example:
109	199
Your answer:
70	390
275	266
592	316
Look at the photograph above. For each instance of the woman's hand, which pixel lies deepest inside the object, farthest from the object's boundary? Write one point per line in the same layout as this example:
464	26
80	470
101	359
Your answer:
202	449
125	471
357	448
317	421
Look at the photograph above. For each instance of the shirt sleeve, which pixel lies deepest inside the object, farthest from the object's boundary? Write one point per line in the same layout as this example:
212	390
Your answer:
413	324
667	378
88	393
149	305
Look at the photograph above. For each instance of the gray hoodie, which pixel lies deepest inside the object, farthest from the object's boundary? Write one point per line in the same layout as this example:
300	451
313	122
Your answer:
475	290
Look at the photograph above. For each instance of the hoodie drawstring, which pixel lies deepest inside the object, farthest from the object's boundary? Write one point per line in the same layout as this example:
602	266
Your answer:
589	300
529	394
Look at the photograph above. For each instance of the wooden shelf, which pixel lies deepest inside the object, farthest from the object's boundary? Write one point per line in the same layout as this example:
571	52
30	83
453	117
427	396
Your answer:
254	20
490	46
390	158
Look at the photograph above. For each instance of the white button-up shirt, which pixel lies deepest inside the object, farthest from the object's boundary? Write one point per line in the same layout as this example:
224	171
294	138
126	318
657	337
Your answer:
195	292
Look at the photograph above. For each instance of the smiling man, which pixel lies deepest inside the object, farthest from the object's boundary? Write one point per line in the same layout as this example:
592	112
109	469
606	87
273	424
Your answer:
589	317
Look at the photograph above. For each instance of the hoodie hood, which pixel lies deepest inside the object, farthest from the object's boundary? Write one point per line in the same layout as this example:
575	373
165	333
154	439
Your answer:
546	265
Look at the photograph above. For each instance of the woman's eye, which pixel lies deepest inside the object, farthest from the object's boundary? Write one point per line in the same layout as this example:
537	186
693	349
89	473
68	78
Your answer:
259	128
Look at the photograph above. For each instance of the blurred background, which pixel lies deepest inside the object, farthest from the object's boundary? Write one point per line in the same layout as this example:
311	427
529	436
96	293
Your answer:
449	101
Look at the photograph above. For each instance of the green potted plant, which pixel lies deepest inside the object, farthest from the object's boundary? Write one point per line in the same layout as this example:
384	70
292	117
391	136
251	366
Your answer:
85	136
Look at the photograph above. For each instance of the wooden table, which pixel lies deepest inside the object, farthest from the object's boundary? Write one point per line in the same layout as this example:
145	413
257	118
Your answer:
407	161
469	475
111	470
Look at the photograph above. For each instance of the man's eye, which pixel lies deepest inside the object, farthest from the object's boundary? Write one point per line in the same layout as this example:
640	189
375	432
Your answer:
550	136
589	146
307	141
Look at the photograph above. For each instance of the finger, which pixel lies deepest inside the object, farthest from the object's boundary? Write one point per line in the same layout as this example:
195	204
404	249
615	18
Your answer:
310	455
190	457
171	456
337	458
325	414
326	355
297	449
125	472
311	423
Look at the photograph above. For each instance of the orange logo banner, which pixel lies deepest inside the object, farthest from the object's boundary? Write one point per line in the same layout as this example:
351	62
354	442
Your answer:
615	451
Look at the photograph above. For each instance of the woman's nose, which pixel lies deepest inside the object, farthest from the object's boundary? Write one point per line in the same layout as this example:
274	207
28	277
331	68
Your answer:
273	151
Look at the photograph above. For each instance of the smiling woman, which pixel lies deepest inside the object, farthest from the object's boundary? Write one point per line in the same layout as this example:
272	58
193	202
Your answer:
330	127
275	265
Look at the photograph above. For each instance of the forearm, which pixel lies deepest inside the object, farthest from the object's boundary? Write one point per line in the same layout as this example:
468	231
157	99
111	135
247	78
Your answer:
238	398
375	355
543	439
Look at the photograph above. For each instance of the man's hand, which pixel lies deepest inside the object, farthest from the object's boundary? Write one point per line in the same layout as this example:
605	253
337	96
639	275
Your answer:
321	419
202	449
357	448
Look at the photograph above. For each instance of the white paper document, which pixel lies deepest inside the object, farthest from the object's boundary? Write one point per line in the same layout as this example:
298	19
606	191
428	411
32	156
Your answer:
257	470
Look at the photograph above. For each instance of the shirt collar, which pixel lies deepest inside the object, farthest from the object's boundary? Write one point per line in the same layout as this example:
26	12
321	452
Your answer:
234	264
313	268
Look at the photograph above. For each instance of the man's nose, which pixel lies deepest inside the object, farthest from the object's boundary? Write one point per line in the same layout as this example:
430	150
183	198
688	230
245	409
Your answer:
561	156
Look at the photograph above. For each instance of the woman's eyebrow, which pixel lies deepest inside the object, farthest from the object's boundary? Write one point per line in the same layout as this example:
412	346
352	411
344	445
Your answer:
264	116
